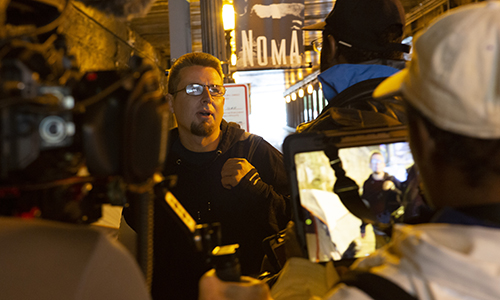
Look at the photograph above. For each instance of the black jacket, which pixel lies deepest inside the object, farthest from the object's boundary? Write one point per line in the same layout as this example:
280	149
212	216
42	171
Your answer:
248	212
380	201
356	108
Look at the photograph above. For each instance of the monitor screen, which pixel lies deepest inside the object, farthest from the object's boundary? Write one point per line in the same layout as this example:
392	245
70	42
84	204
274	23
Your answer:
331	231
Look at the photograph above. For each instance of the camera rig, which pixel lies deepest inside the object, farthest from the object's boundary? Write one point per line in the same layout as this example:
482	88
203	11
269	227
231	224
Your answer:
206	238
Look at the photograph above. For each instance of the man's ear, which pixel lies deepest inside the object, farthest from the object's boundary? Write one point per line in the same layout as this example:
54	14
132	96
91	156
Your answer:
170	101
332	43
337	57
329	53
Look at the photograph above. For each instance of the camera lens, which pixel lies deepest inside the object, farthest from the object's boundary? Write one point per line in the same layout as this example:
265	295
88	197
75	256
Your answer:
53	129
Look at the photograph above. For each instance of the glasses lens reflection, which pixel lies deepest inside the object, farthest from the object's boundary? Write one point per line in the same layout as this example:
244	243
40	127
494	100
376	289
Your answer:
197	89
317	44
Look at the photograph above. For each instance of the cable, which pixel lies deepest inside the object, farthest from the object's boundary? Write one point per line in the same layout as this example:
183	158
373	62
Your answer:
44	29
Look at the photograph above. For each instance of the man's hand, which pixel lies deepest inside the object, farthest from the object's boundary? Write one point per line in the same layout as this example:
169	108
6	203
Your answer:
388	185
233	171
212	288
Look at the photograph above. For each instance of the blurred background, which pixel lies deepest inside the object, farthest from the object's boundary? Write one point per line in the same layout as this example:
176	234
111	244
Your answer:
260	42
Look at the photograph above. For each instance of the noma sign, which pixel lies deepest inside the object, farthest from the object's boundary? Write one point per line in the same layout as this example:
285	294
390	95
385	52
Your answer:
268	34
259	52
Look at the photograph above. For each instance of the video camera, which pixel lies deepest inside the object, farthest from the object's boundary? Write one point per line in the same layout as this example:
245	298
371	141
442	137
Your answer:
56	122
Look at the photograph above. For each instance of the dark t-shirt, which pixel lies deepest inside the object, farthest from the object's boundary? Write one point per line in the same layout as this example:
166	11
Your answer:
382	203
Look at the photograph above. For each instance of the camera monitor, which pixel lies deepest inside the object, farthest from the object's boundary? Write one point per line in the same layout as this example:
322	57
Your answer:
326	229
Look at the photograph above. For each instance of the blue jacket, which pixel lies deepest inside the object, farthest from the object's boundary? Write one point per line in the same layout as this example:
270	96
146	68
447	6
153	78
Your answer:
339	77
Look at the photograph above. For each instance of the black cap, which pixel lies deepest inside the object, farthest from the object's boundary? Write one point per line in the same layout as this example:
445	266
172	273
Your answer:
360	23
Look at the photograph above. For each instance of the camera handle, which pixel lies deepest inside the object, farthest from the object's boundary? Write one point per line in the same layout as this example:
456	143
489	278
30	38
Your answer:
226	261
206	237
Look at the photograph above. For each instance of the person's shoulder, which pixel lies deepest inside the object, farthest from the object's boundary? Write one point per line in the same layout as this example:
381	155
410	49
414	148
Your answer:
369	179
173	133
111	257
253	141
66	233
259	144
230	126
79	257
231	130
250	137
344	292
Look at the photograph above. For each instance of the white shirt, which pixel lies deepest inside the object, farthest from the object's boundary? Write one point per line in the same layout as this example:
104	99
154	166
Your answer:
430	261
41	259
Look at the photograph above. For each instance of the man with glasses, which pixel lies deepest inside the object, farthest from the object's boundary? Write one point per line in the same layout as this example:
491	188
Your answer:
360	45
223	174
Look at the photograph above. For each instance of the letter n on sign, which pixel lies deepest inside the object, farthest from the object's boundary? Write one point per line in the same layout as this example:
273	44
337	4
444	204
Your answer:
269	36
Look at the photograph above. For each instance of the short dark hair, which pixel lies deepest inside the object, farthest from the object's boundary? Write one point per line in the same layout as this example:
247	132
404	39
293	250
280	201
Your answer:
189	60
355	55
477	158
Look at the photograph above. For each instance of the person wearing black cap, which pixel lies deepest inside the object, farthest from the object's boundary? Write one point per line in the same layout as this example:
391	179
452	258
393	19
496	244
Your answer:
361	41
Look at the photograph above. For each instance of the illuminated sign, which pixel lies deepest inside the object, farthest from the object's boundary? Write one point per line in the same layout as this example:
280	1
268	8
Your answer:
269	36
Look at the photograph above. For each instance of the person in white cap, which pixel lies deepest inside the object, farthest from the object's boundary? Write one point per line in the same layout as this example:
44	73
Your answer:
452	90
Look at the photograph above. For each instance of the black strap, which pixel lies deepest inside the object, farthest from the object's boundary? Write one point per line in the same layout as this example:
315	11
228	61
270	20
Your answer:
253	143
375	286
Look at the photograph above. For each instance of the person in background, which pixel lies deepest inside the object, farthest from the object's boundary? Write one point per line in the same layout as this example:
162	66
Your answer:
222	174
361	42
452	92
361	45
382	194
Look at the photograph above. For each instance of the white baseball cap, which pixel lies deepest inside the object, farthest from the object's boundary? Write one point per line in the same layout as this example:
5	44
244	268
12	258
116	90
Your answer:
454	75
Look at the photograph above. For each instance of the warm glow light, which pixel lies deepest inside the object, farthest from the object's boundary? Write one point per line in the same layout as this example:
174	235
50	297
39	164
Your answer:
294	96
310	89
287	99
234	59
228	16
301	93
236	77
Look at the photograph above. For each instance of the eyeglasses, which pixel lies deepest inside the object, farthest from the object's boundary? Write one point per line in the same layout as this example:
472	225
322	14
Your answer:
377	161
317	44
196	89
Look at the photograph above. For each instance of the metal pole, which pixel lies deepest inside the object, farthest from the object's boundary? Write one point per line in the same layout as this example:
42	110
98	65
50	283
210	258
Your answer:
212	29
180	29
